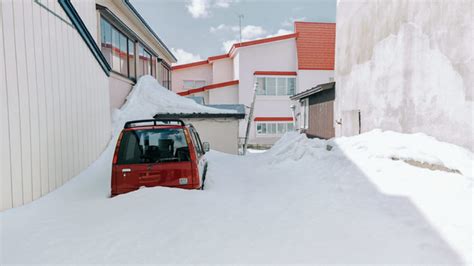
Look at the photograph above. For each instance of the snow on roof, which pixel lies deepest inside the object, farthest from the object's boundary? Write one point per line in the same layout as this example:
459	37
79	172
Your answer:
149	98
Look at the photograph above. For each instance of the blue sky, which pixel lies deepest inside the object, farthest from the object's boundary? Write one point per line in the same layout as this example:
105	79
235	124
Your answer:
196	29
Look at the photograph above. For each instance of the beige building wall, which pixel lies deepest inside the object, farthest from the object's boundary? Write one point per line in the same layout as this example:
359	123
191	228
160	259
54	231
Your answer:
54	99
407	66
221	133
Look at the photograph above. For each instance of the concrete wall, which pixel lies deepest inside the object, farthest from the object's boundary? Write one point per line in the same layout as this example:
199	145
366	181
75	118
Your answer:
221	133
310	78
54	99
407	66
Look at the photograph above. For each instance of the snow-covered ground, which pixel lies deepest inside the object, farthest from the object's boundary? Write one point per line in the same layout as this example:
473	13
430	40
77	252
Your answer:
295	203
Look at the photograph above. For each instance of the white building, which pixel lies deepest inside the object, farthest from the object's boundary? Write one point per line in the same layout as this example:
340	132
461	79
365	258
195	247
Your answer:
282	65
57	88
406	66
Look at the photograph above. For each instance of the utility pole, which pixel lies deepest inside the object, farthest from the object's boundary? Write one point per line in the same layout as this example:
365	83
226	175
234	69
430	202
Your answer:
241	16
249	122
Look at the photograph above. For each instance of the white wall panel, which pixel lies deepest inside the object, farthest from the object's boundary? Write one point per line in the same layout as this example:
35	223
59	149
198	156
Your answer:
54	99
11	79
5	163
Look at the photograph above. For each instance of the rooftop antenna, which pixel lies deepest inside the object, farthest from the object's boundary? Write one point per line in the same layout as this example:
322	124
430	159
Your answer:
241	16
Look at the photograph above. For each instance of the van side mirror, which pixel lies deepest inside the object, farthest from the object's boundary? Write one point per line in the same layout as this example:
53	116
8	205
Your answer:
207	147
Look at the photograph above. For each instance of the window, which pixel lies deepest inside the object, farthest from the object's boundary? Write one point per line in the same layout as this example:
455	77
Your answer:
274	128
304	114
276	86
151	146
193	84
106	40
163	74
117	49
144	61
197	143
131	58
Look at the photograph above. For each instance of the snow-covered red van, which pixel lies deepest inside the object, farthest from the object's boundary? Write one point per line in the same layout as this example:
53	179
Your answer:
158	152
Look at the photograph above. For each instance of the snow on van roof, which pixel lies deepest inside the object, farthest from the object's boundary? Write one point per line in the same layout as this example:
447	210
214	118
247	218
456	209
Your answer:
149	98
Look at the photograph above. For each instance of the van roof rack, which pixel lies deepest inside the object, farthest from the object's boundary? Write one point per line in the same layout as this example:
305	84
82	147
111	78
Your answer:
155	122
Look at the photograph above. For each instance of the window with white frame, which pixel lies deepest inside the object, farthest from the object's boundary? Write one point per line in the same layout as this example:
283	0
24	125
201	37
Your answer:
273	128
276	86
193	84
304	121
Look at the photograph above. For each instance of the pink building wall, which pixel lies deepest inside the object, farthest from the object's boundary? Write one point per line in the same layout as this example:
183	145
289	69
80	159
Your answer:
242	63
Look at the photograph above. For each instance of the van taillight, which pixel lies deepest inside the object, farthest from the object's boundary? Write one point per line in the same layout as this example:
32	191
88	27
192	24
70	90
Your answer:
114	161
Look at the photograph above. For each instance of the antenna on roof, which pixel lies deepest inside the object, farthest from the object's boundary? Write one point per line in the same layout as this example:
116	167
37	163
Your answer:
241	16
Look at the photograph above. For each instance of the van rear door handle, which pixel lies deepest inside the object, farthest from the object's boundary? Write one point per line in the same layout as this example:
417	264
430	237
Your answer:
126	170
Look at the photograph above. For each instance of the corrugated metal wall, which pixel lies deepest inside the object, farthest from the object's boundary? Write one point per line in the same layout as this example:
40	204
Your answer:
54	99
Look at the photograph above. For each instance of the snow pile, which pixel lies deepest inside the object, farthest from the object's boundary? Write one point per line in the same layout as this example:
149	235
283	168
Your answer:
377	144
417	147
149	98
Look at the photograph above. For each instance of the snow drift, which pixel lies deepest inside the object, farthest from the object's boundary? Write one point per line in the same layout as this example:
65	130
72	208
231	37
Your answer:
378	144
149	98
297	203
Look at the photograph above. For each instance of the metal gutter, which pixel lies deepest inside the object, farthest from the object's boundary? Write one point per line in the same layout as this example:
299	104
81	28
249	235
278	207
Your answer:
85	34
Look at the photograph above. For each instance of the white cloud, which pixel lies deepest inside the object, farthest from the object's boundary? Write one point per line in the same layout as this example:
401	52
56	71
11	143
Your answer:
223	3
289	21
221	27
252	32
198	8
185	57
202	8
280	32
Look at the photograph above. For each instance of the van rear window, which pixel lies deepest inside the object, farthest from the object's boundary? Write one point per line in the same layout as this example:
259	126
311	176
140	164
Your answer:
152	146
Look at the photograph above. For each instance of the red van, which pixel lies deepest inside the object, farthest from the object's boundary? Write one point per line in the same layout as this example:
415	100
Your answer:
158	152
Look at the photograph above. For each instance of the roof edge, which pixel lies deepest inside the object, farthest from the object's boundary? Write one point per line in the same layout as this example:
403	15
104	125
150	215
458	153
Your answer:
209	87
316	89
134	11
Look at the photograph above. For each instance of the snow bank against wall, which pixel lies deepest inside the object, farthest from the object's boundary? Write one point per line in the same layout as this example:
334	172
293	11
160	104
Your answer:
407	66
149	98
377	144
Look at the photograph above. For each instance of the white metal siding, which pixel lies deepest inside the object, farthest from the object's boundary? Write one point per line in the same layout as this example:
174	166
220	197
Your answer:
54	99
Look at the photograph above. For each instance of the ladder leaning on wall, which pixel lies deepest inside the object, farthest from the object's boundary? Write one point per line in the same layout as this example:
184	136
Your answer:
250	117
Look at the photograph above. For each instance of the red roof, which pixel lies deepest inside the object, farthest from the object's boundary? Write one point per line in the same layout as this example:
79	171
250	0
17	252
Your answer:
275	73
209	87
273	118
217	57
316	44
198	63
261	41
234	46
